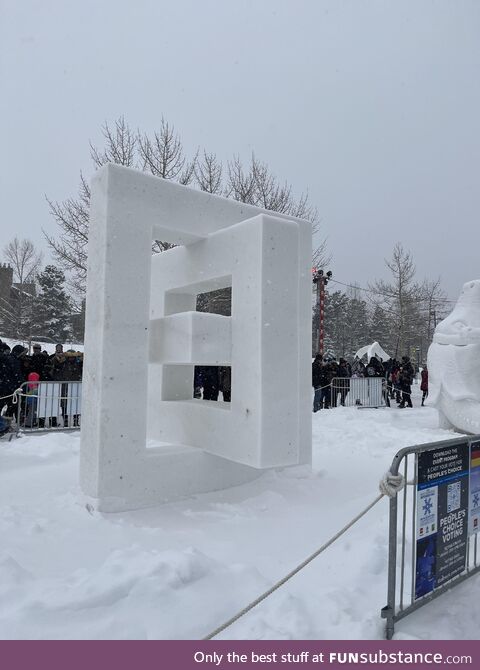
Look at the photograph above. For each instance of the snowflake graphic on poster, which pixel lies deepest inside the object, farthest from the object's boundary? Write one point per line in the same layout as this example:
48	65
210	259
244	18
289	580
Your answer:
427	506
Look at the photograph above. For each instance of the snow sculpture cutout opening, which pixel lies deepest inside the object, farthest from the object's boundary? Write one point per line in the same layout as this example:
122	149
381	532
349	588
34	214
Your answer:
454	363
144	337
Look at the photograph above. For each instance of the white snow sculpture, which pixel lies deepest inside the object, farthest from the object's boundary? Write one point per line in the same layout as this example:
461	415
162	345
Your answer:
454	363
144	438
371	350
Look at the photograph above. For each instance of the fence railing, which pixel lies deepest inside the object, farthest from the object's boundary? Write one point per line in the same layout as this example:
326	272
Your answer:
358	392
433	524
48	406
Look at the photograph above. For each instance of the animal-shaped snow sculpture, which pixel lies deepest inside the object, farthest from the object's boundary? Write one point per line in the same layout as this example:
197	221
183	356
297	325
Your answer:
454	364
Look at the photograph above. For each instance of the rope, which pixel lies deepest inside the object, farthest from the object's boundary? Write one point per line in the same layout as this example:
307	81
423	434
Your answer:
389	485
13	395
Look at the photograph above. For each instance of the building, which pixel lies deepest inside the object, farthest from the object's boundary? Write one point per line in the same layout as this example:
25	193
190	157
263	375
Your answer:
15	299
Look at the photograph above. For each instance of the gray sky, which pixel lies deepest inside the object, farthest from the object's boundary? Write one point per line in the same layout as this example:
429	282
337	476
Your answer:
373	106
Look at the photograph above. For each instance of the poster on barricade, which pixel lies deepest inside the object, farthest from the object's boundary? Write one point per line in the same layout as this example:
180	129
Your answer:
442	516
474	512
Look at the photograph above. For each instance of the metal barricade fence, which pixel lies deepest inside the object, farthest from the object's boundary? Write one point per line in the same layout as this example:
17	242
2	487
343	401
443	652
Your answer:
358	392
47	406
433	524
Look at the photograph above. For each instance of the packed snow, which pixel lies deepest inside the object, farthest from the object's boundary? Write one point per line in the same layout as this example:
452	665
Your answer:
177	571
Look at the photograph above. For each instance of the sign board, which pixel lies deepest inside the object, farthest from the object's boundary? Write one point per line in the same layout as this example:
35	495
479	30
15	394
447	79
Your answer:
474	511
442	515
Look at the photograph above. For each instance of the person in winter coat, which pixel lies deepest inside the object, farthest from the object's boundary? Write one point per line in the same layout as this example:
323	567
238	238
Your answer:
225	373
405	379
73	367
56	365
342	383
31	398
11	376
316	381
424	384
358	369
211	382
374	368
197	381
38	361
332	373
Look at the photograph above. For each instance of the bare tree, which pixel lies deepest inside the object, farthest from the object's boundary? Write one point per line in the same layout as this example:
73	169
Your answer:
24	259
400	300
208	174
240	185
70	247
434	301
322	258
163	155
121	145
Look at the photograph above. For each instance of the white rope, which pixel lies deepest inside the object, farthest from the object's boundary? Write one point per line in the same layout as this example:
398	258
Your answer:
390	484
13	395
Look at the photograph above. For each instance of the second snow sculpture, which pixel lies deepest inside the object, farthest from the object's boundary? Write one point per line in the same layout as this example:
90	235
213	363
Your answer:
454	363
144	438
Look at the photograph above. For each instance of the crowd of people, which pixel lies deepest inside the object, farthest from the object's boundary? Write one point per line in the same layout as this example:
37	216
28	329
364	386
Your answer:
18	367
331	380
211	379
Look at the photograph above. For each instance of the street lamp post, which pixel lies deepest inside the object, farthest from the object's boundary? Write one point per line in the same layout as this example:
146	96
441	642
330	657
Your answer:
321	279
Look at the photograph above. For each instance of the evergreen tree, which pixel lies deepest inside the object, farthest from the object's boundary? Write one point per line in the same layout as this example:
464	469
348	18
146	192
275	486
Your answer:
382	329
356	330
336	325
54	305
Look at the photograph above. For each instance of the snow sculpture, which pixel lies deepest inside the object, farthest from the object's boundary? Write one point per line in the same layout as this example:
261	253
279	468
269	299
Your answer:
454	363
371	350
144	437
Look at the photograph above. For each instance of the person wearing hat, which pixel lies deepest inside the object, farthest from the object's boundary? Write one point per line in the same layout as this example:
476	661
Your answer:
37	362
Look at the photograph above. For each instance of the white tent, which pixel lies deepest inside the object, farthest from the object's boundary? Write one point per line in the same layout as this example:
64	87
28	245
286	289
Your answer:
372	350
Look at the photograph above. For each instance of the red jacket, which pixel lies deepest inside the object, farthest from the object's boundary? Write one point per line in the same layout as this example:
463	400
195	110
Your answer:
424	384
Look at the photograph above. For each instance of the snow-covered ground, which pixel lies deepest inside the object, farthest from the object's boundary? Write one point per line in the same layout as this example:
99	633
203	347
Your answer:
179	570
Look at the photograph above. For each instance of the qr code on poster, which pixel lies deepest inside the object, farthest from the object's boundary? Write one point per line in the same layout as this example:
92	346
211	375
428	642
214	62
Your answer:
453	497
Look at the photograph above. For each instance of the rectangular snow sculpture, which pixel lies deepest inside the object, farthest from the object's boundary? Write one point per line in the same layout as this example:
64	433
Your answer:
144	337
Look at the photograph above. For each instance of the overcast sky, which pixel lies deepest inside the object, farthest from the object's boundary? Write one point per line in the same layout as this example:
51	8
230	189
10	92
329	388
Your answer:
371	106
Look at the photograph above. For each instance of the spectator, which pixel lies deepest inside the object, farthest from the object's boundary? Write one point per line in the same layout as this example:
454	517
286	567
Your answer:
325	377
31	399
11	375
405	379
226	382
73	367
211	382
316	382
38	362
358	368
424	384
332	371
56	365
197	381
374	368
342	385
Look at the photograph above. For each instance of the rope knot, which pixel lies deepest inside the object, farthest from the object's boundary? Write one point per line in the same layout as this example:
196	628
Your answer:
391	484
15	395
